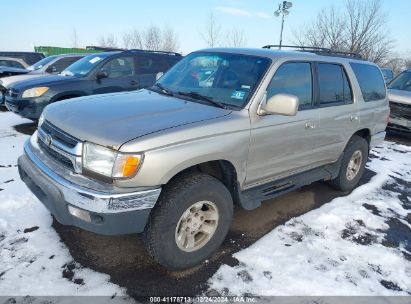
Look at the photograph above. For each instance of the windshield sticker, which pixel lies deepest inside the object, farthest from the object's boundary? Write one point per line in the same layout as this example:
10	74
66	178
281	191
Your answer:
246	87
94	60
238	95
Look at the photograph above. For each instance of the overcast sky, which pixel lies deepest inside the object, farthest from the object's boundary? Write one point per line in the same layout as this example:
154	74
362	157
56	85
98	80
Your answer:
26	23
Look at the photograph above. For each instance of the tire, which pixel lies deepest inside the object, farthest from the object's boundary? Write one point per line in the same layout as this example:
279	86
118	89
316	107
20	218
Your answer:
164	235
347	179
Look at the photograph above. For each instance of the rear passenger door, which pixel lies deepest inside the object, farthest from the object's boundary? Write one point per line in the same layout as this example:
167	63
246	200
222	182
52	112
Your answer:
121	76
283	145
338	113
148	66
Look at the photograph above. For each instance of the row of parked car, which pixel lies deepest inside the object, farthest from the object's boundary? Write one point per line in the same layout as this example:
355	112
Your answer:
25	89
67	76
221	127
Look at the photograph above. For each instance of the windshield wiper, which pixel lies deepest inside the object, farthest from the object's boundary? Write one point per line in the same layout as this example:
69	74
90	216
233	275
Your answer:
198	96
163	89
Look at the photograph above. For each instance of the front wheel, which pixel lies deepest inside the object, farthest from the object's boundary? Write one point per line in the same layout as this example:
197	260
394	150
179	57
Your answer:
353	164
190	221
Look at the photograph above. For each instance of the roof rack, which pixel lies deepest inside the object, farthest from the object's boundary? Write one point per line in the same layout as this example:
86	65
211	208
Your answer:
316	50
150	51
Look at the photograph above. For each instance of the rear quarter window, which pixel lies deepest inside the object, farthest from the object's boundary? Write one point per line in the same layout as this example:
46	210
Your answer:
371	82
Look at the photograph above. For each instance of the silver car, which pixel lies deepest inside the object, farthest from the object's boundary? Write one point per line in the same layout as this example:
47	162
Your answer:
399	94
223	127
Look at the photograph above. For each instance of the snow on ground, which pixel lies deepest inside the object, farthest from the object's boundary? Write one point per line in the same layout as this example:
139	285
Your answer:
33	261
359	244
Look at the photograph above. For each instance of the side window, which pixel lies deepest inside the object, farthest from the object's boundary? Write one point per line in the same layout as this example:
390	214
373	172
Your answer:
293	78
370	79
119	67
61	64
151	64
333	84
11	64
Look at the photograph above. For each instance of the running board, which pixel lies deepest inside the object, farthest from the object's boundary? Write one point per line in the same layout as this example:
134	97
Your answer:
252	198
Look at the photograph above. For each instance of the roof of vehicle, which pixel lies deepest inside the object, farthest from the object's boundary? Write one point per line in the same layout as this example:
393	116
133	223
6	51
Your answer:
137	51
289	55
70	55
10	58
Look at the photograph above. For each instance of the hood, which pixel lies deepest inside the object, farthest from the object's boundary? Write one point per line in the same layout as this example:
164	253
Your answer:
40	80
114	119
6	81
400	96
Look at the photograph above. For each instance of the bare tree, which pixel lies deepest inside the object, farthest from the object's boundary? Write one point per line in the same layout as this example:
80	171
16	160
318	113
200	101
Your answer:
74	38
132	40
108	41
235	38
211	33
170	42
360	27
397	64
152	38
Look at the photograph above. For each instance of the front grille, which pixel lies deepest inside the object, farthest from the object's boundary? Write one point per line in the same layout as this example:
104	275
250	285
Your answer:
60	146
58	134
12	93
400	110
61	159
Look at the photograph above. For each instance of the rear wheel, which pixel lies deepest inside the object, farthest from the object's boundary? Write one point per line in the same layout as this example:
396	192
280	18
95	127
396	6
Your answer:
190	221
352	165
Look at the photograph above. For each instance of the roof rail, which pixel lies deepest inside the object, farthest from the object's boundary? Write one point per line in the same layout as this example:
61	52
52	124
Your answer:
316	50
151	51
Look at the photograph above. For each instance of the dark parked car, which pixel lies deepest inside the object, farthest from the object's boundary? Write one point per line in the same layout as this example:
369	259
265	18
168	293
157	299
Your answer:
28	57
94	74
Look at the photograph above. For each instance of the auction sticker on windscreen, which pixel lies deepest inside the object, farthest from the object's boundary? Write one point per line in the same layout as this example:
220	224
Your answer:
95	59
238	94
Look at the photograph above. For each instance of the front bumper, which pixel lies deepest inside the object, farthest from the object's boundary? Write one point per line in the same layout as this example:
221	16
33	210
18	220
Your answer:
400	117
27	108
110	213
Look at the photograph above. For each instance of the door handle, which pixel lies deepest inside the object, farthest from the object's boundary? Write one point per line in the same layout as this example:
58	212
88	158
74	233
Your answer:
309	125
133	82
354	117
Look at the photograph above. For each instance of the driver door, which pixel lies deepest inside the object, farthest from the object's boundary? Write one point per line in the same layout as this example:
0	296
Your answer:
283	145
121	76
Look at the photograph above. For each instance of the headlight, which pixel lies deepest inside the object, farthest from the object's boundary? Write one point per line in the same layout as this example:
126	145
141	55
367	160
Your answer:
110	163
35	92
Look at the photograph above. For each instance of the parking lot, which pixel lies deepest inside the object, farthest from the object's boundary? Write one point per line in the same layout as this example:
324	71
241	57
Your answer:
87	258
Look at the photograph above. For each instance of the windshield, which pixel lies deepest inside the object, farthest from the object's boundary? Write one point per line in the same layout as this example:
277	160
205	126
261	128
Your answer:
229	79
83	66
39	64
401	82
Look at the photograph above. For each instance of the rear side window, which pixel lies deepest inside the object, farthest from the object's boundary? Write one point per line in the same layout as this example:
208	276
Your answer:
119	67
334	87
11	64
293	78
371	83
151	64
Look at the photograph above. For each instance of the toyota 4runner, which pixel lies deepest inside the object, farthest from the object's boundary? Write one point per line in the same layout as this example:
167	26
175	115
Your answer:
223	127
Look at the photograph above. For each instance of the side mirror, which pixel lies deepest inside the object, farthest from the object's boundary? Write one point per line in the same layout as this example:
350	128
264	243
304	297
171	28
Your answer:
101	75
159	75
52	69
281	104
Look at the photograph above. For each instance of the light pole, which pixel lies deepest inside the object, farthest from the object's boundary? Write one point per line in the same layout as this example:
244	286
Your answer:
283	10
